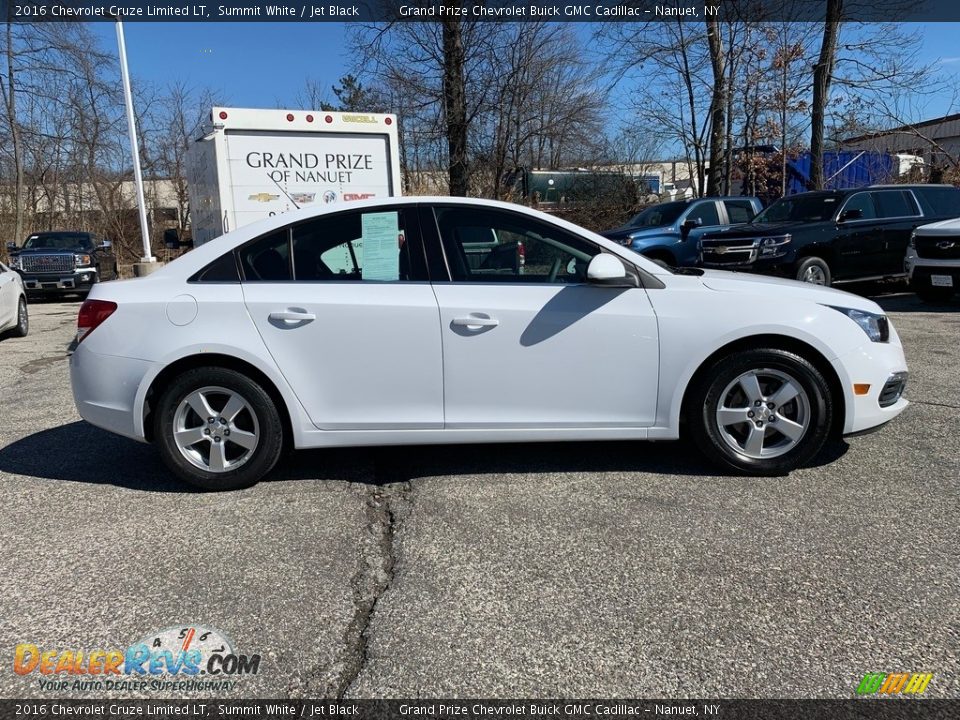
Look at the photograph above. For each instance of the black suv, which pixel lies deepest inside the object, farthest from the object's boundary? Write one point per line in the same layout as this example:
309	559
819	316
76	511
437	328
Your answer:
64	261
833	235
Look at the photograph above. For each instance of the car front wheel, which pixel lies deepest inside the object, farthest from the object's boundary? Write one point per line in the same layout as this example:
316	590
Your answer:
217	429
761	412
23	320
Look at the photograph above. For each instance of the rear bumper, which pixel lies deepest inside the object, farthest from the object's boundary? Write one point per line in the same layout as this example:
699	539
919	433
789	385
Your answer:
105	390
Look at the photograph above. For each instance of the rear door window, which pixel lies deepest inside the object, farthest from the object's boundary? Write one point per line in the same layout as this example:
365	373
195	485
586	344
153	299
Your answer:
739	211
895	204
267	259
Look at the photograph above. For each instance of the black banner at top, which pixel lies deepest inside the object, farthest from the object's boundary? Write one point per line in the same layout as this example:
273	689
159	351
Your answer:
474	10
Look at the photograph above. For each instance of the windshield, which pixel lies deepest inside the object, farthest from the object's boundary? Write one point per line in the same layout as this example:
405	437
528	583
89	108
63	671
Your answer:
57	241
658	215
800	208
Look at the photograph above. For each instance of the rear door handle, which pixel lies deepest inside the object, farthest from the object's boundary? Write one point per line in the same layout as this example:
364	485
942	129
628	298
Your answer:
475	321
293	316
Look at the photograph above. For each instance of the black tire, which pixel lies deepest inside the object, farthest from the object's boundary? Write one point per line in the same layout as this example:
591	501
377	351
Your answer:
258	419
728	445
930	294
23	320
814	270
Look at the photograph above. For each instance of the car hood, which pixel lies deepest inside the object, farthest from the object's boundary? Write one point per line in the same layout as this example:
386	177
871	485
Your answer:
49	251
765	286
948	228
749	230
625	231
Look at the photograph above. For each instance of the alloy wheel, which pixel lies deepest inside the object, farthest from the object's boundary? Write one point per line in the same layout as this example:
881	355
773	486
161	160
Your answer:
763	413
216	429
814	275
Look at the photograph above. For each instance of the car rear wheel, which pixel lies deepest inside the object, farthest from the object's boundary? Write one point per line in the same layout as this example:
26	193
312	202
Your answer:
761	412
217	429
23	320
814	270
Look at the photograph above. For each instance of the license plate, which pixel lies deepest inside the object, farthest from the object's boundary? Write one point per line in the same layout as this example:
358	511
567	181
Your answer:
941	280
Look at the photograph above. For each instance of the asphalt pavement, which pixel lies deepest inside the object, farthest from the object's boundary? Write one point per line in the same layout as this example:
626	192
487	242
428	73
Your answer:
552	570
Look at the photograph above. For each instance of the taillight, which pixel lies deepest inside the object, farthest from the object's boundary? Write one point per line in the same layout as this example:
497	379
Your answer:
92	313
521	254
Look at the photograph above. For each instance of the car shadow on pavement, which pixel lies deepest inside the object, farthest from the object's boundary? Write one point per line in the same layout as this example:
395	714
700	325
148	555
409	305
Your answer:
393	464
80	452
908	302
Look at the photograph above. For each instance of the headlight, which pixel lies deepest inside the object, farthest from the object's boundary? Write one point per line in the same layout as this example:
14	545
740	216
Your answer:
82	260
877	327
773	247
15	263
913	240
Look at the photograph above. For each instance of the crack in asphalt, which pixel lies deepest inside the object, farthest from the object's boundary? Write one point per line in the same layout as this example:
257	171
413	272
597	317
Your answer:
383	507
935	404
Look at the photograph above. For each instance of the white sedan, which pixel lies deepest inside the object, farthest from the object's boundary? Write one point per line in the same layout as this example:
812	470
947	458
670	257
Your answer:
450	320
14	320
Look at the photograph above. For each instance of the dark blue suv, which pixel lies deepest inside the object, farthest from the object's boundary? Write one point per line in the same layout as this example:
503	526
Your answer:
670	231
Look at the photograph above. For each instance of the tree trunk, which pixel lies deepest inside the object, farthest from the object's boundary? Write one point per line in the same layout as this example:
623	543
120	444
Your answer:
15	139
455	104
822	77
717	107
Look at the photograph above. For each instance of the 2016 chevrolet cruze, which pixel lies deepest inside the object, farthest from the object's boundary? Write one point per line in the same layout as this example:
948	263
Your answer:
442	320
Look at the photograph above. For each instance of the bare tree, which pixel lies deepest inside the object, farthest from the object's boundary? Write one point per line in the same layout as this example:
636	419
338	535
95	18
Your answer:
455	102
718	61
822	77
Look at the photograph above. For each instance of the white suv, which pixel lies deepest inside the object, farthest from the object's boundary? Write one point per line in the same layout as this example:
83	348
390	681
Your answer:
933	260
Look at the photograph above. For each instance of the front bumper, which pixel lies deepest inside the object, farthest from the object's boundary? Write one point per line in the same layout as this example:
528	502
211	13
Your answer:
105	390
79	280
883	367
920	270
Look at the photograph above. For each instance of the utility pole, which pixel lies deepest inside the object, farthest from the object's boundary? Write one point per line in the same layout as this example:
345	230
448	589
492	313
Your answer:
148	263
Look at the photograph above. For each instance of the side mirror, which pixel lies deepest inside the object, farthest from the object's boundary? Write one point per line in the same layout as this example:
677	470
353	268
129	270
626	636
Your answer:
606	269
852	214
11	245
690	223
105	245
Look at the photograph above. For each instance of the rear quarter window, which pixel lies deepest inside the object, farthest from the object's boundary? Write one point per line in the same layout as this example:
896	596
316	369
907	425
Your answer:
939	201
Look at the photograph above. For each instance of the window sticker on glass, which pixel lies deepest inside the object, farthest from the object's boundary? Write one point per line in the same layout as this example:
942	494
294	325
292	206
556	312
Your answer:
381	251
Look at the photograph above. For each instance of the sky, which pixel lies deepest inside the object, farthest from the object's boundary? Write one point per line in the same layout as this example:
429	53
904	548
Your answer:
267	64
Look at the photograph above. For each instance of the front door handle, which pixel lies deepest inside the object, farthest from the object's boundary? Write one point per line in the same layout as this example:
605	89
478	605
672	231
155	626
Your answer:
475	320
293	316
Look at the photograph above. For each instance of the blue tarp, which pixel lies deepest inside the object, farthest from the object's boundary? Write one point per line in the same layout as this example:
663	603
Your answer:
841	170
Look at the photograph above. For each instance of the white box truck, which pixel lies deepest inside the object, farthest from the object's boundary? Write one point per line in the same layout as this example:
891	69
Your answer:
252	164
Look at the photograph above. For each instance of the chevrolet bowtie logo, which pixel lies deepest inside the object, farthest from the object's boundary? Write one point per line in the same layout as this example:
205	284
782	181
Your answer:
721	250
946	244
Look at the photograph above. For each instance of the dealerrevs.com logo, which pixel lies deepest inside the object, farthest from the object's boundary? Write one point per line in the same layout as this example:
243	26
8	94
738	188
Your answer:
894	683
189	657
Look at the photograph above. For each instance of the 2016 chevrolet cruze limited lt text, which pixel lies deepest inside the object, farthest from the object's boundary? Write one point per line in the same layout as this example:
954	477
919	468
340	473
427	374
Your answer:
442	320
